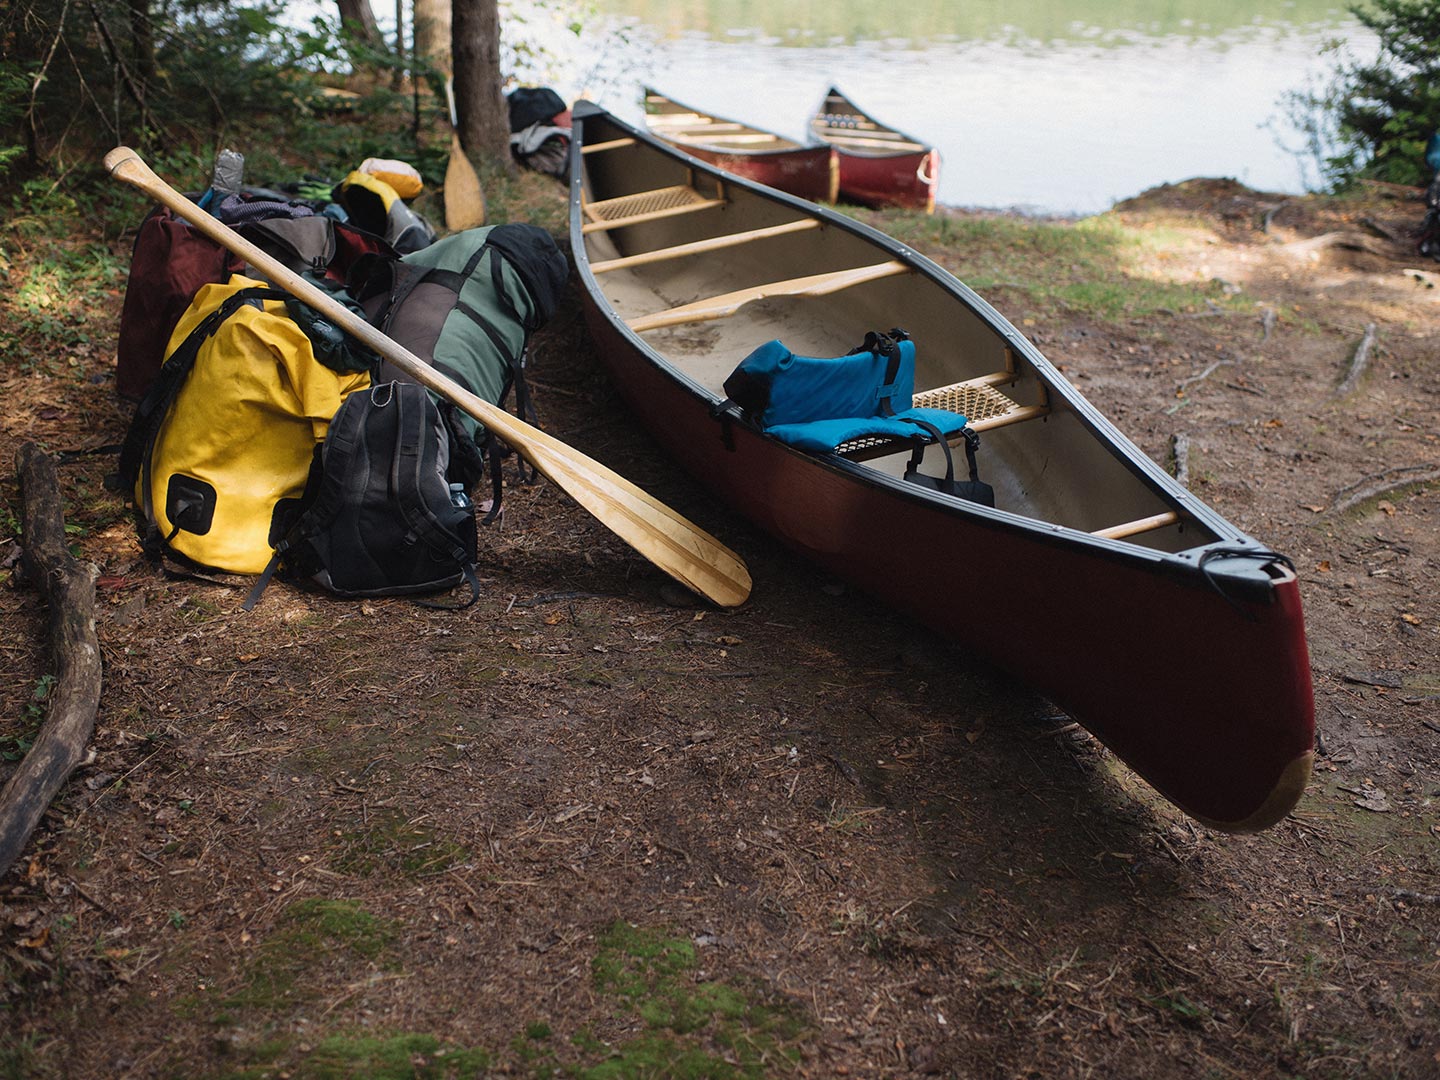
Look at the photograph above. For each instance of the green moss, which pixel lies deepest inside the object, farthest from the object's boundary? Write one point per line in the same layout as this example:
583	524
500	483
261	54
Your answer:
310	933
697	1028
390	842
405	1056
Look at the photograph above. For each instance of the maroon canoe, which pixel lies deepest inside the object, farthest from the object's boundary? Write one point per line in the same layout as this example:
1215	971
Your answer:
1166	631
811	172
879	166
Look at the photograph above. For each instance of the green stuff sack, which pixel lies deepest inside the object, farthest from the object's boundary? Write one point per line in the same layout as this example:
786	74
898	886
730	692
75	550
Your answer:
467	305
223	441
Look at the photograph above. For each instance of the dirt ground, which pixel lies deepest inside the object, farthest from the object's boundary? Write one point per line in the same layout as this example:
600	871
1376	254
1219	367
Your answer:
586	829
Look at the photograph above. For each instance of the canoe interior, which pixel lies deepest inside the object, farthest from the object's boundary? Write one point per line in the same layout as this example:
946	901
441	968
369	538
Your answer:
842	123
685	126
702	310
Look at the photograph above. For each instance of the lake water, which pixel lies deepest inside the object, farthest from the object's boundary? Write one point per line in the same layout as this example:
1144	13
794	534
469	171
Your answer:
1051	106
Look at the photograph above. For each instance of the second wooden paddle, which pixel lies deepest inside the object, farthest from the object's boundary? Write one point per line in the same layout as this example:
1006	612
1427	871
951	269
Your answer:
464	197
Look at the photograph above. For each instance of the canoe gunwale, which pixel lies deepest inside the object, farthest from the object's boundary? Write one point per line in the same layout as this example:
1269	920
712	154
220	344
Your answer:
918	147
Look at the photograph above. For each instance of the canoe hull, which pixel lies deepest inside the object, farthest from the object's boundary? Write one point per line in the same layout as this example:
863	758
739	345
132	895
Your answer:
811	172
901	181
1217	721
871	175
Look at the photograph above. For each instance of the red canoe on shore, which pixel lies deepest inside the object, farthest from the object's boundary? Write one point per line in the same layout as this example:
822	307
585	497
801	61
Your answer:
811	172
879	166
1170	634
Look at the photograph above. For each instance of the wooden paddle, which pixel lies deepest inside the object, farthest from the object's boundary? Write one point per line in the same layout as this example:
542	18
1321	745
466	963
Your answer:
685	552
464	198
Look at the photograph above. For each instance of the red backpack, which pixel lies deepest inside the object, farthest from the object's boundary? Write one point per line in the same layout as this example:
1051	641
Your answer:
172	260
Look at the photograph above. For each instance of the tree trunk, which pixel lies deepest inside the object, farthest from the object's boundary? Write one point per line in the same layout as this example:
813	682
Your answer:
431	34
142	44
358	18
484	120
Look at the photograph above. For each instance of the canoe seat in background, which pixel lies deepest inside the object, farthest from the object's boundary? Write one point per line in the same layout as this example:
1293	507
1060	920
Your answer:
652	205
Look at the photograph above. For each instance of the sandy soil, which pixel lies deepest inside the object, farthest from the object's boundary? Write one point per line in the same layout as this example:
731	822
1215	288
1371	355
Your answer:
584	829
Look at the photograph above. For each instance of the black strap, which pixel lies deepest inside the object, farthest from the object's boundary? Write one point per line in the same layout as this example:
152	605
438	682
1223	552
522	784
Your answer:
917	456
253	597
150	413
407	470
1259	554
888	346
471	580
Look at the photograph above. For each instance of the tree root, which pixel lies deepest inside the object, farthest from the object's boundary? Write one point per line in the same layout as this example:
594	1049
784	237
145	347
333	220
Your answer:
1358	362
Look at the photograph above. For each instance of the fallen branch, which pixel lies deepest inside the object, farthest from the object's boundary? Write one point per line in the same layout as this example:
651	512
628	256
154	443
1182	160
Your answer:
1180	450
1357	362
1394	191
1385	482
68	587
1180	386
1270	212
1268	319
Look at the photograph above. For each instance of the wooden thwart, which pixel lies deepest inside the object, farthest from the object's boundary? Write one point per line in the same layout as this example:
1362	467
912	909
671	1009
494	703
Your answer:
708	137
718	307
875	141
697	247
611	144
1139	525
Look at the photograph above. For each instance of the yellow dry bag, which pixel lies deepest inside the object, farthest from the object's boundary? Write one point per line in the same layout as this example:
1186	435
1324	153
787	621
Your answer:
227	434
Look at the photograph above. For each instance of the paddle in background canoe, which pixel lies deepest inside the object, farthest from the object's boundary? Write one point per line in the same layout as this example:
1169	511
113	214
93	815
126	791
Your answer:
685	552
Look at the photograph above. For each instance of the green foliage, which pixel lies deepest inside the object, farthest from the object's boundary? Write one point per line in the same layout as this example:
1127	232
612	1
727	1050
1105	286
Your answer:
1372	119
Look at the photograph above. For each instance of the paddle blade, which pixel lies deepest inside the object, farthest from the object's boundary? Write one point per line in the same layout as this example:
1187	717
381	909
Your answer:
464	197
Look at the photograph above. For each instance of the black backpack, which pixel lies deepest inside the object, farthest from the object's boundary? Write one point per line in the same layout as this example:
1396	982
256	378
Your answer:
380	515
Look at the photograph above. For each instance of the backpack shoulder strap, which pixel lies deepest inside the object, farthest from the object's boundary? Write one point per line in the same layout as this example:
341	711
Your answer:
149	414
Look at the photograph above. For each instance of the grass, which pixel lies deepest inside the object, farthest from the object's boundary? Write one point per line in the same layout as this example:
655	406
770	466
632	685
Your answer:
56	290
1087	267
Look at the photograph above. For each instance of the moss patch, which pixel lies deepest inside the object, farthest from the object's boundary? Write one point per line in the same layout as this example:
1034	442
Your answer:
312	934
697	1028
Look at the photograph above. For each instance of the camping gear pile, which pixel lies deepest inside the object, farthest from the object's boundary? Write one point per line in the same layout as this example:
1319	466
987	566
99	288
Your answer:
265	440
539	129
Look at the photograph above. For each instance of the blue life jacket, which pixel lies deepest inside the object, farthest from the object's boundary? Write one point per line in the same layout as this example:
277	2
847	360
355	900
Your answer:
819	404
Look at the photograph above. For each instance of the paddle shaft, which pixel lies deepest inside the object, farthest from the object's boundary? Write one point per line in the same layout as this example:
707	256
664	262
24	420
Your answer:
684	551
